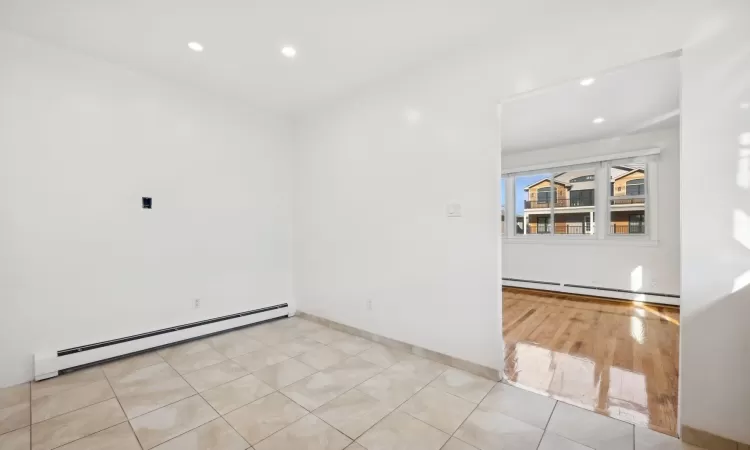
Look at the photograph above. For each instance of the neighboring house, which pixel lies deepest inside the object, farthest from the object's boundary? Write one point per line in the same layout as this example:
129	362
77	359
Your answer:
573	195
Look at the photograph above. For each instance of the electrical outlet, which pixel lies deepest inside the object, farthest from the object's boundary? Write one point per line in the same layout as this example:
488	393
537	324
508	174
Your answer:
196	303
368	304
453	210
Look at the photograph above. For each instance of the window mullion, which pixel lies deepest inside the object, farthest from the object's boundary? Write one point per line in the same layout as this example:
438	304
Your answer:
601	205
553	200
510	206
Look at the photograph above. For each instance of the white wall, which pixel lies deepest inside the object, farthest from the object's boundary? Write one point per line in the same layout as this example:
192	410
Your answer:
716	261
81	141
372	187
608	263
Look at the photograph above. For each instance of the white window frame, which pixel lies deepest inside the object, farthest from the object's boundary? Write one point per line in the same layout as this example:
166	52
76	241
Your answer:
602	197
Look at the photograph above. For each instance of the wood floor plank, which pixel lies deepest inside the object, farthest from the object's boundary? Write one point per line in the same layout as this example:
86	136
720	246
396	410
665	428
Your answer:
616	358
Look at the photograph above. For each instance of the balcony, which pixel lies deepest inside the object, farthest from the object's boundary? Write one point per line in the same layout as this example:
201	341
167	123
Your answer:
560	228
559	203
627	201
633	228
585	229
567	203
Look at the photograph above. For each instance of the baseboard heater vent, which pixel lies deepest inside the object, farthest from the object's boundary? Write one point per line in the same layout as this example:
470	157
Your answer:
594	288
532	281
658	294
49	364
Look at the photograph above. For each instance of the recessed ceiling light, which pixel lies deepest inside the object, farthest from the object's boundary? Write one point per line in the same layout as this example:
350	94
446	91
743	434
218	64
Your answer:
598	120
587	81
195	46
413	115
745	105
289	52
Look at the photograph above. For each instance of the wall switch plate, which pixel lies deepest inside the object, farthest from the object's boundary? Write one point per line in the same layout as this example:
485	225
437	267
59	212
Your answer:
453	210
197	303
368	304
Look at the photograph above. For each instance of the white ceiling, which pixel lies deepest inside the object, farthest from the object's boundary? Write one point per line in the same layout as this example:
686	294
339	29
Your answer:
341	44
637	97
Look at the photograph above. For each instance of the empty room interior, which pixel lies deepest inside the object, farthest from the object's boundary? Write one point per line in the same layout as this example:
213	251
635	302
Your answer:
413	225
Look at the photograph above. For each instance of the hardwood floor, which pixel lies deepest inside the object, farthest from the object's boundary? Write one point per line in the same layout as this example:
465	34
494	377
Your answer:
616	358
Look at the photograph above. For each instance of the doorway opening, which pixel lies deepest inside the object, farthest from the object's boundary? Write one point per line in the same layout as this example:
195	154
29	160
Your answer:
589	200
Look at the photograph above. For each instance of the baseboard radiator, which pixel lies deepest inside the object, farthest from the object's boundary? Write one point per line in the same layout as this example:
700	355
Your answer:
50	364
594	291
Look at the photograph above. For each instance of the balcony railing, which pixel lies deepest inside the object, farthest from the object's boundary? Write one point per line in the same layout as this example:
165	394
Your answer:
559	203
584	229
567	203
627	201
632	228
559	229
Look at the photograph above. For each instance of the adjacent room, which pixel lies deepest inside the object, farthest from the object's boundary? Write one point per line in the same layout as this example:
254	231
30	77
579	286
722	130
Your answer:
591	260
412	225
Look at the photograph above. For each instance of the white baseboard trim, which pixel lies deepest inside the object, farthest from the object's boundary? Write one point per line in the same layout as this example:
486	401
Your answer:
604	294
48	364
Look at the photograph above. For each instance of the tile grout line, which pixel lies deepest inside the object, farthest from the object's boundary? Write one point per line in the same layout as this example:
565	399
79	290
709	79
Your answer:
30	417
266	346
222	416
417	418
273	347
163	406
283	395
453	435
31	413
382	369
443	392
544	430
243	376
195	428
402	403
128	419
389	413
136	370
84	437
334	398
130	425
75	410
134	433
549	419
103	429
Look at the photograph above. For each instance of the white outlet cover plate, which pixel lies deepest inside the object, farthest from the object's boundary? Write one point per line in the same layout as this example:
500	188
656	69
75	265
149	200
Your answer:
453	210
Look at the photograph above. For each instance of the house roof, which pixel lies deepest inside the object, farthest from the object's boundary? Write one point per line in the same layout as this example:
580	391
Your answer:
627	173
547	179
626	170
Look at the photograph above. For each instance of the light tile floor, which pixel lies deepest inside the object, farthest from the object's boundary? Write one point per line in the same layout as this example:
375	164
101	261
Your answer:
293	384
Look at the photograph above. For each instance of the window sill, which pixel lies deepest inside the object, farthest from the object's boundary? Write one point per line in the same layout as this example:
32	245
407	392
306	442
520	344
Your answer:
614	242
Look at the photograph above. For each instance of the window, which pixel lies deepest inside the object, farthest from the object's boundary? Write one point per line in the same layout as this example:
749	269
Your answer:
543	194
584	197
627	203
534	198
575	203
542	225
563	201
635	187
637	223
502	206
